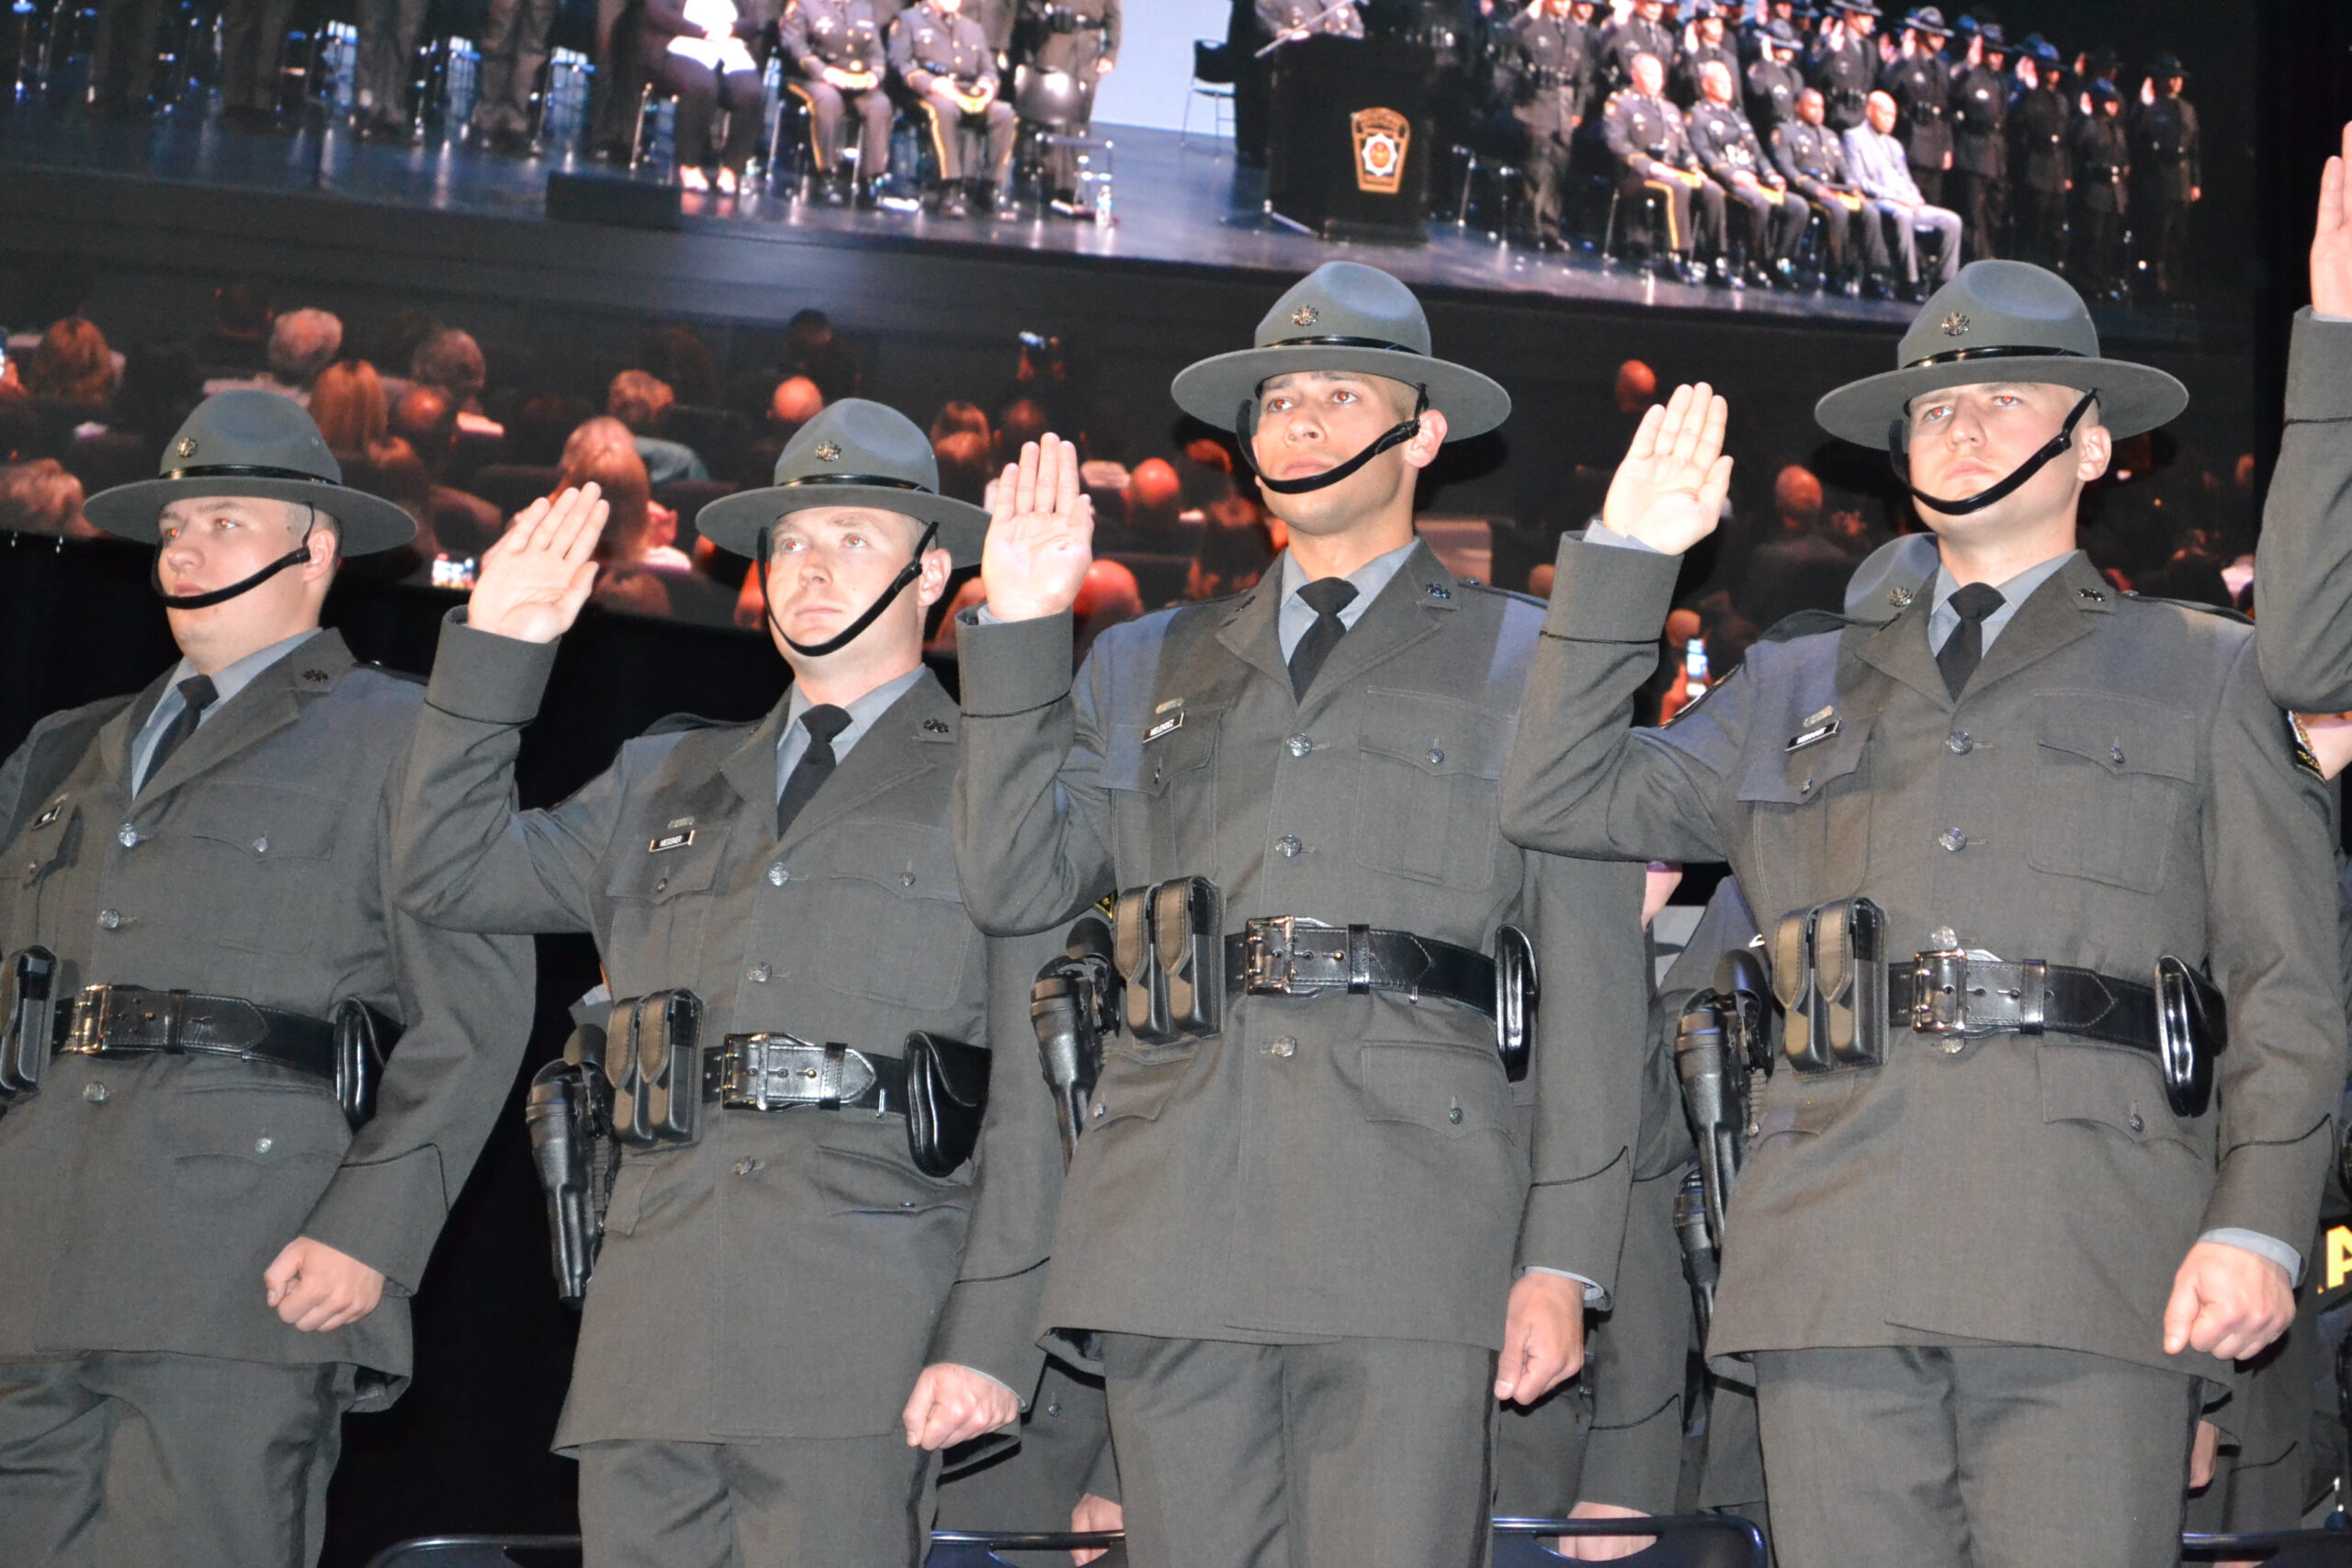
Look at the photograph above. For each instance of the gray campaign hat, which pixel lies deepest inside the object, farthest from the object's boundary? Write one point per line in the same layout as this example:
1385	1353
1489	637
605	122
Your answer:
855	453
1342	316
250	442
2002	320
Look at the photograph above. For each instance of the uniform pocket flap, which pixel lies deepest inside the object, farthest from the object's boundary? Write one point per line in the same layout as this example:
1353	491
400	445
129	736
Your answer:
2113	1087
1777	776
2121	734
1445	1088
1810	1105
857	1181
913	860
1145	757
1436	735
264	821
1130	1088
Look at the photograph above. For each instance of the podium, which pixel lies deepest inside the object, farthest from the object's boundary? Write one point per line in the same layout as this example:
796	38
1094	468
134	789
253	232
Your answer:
1348	140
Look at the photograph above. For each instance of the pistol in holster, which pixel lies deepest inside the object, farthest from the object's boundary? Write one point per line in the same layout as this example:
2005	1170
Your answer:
1169	948
569	1115
1721	1044
31	1011
1701	1254
1829	977
1075	1005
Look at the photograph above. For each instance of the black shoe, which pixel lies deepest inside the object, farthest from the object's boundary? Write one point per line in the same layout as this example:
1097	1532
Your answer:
835	191
951	203
1550	243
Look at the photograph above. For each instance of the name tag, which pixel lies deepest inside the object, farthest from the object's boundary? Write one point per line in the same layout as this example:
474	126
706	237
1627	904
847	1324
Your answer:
1812	737
1168	724
671	841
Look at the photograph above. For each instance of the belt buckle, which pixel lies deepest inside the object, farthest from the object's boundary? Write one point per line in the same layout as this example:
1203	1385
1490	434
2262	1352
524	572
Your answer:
749	1078
1271	954
1939	992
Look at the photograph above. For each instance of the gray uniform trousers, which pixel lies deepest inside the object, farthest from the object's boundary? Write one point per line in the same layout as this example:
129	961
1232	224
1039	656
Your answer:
514	53
839	1502
104	1467
388	34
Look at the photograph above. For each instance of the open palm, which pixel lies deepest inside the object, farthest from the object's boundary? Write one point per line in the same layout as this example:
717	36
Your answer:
1669	489
2331	237
536	578
1041	540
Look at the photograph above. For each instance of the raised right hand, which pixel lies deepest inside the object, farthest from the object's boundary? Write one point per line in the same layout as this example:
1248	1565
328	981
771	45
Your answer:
2332	240
535	578
1669	490
1041	540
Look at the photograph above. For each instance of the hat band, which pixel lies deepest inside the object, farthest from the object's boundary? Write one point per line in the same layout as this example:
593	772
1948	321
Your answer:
246	471
1346	342
881	481
1956	355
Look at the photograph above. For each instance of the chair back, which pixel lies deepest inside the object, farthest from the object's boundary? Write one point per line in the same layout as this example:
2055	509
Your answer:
1212	62
1694	1540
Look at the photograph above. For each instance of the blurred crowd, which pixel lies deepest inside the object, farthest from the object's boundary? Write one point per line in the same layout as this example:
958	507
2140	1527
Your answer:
463	441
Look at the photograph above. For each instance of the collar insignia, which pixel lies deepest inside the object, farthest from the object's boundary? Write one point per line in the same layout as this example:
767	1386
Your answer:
1900	597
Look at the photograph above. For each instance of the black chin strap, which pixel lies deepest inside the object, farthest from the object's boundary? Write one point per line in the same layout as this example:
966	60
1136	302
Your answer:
1245	426
294	556
856	628
1897	454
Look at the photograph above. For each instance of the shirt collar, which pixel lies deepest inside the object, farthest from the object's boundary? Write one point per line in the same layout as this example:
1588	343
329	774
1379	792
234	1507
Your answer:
863	711
227	682
1295	614
1943	620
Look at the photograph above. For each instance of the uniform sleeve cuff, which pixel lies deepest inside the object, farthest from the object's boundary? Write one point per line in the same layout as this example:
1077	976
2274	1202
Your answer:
488	678
1013	667
1611	592
2261	1245
1594	1296
385	1213
2319	367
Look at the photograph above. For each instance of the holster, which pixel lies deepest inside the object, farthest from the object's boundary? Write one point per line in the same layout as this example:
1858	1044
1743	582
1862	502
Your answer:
947	1097
1701	1252
2192	1028
28	1015
363	1038
1073	1006
1517	991
1714	1100
1170	947
654	1064
567	1114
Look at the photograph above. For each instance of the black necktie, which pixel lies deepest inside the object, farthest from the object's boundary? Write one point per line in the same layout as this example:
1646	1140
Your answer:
196	693
1327	596
1965	648
816	765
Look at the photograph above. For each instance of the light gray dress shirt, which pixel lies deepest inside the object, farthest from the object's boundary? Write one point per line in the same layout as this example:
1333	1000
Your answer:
227	682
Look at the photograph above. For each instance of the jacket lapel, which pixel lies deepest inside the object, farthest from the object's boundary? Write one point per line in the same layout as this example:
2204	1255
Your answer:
2067	607
1251	629
1900	649
898	750
114	739
1416	601
273	700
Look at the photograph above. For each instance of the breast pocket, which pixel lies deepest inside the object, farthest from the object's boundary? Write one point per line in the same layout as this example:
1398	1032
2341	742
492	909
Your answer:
894	926
267	876
1162	780
1425	791
1809	819
657	898
2112	779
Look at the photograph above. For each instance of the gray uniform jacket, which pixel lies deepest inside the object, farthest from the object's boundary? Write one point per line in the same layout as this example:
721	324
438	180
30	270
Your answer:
1336	1166
2303	587
786	1274
255	863
844	34
2115	786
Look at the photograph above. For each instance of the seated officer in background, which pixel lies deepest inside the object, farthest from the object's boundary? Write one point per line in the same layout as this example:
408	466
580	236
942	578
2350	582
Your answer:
1080	40
219	1242
1735	160
943	57
842	55
1331	1168
801	1230
1813	158
1646	136
2005	1213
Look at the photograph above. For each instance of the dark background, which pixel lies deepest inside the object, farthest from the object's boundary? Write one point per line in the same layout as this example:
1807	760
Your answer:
467	1449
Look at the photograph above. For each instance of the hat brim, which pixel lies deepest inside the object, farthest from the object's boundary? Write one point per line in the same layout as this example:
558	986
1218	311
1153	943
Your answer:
735	522
2131	398
365	524
1214	390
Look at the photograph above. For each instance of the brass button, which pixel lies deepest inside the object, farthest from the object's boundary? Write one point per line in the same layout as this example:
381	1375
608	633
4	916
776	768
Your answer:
110	918
746	1166
128	838
261	845
1299	745
1290	846
778	876
1453	1113
263	1146
1437	755
1960	743
1285	1047
1952	839
761	974
96	1093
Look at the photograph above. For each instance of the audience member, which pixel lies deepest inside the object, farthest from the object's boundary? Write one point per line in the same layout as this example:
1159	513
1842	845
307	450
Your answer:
302	344
1229	559
450	362
237	343
1797	566
41	497
794	403
347	405
464	524
1018	422
962	416
1154	511
813	349
964	467
637	561
640	401
397	344
1109	596
162	384
72	367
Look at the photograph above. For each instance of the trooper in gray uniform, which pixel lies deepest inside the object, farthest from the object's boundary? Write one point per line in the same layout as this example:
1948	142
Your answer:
2303	582
230	1196
945	62
843	58
1813	159
1333	1167
1080	40
2009	1204
809	1219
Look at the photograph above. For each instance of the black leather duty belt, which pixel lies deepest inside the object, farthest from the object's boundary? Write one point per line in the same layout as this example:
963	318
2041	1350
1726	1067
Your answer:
1952	994
779	1072
124	1020
1290	955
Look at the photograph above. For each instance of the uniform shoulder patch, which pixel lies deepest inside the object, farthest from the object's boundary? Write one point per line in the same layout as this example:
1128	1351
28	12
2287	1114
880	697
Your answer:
680	722
1806	623
1695	704
2299	746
